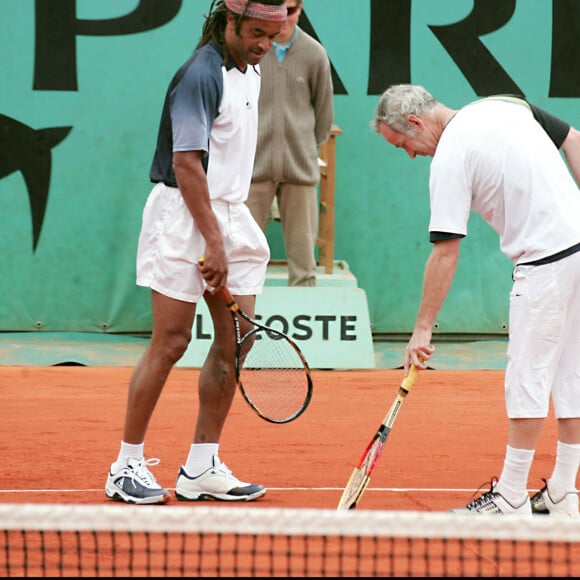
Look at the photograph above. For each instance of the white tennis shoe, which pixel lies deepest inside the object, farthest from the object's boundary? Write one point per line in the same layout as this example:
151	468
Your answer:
134	483
543	503
218	483
494	504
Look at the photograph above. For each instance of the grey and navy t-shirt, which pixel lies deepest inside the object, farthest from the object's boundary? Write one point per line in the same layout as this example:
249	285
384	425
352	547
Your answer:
211	106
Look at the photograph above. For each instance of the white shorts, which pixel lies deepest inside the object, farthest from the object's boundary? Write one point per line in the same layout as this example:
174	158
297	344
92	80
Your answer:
170	246
544	341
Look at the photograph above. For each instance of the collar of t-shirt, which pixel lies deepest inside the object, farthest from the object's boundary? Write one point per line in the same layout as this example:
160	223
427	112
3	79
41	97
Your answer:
282	49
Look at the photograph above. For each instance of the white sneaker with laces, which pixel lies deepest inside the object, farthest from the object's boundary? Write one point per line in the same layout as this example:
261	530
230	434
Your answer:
494	504
217	482
567	506
134	483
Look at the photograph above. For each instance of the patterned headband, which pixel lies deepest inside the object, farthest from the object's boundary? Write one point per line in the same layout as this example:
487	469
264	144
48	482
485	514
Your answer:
252	9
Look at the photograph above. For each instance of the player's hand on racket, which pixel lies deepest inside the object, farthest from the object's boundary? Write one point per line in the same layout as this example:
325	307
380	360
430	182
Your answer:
418	351
214	269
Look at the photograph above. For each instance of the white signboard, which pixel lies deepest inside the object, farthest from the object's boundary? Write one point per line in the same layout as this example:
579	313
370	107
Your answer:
330	325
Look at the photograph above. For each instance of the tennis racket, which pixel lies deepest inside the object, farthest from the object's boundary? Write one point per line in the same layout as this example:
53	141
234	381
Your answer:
271	370
361	476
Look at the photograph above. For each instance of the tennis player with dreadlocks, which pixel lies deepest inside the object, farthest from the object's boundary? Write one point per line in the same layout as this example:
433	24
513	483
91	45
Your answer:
202	170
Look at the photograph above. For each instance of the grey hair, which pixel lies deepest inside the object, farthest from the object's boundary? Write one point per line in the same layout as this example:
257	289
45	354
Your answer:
400	101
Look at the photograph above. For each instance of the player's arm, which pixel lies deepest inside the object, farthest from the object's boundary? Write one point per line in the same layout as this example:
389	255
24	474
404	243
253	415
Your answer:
439	272
195	99
571	149
192	181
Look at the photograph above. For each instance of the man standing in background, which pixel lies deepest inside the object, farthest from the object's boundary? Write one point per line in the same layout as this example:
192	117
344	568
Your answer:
295	116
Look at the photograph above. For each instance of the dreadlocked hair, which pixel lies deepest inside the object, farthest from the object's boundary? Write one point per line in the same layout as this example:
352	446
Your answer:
214	27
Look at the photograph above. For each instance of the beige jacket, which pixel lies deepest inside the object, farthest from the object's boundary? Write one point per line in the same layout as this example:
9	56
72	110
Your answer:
295	113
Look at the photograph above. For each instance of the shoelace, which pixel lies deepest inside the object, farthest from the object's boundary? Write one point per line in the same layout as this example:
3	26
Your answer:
142	472
486	497
223	467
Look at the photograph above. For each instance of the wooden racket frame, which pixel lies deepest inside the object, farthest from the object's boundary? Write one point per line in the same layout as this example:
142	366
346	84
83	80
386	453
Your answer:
348	500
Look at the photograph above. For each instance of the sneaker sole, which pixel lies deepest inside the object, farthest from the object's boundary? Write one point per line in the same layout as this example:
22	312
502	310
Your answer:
117	495
556	514
472	514
205	496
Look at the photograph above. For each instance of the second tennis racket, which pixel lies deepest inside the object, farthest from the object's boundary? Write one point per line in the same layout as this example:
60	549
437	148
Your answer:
361	476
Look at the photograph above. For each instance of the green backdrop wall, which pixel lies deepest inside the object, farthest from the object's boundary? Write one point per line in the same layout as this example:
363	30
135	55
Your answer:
81	87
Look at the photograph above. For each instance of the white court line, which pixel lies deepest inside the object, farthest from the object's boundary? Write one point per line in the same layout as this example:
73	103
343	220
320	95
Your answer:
370	489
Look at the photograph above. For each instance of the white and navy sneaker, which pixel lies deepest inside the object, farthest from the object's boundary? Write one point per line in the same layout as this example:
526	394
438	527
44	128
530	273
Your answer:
134	483
543	503
494	504
217	482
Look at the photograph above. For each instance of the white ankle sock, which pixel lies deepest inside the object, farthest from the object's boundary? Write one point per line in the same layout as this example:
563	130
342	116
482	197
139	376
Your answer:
200	458
127	451
512	484
563	478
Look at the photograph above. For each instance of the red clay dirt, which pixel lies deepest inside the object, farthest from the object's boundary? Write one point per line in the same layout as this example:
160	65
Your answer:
61	428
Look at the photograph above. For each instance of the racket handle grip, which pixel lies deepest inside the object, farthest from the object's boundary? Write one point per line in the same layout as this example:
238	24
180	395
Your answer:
226	296
409	380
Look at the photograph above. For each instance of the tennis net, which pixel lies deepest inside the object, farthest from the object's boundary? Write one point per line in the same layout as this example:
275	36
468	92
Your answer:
122	540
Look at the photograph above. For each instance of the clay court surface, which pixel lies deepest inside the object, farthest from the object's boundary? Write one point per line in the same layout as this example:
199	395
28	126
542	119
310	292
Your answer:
61	426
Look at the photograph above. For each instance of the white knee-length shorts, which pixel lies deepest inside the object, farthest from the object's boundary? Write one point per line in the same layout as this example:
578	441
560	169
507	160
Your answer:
544	340
170	246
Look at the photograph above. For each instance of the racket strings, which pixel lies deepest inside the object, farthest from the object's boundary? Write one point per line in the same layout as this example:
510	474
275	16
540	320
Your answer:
274	377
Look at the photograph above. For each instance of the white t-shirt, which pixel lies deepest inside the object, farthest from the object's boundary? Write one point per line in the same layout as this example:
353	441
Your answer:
234	135
495	159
